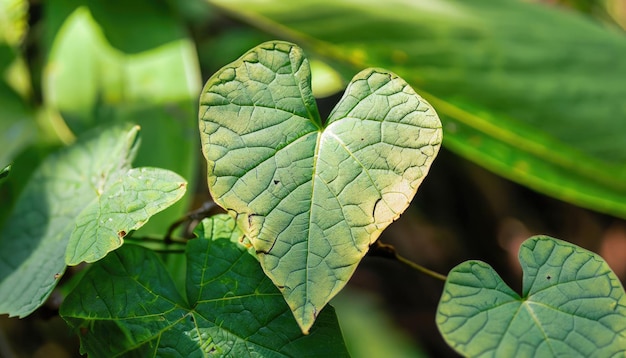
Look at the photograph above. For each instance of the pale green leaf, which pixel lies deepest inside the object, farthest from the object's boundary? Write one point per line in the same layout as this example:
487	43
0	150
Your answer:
85	71
572	305
126	204
61	193
529	91
310	196
128	305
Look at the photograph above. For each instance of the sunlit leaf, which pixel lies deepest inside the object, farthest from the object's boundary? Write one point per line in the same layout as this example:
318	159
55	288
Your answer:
572	305
128	305
312	196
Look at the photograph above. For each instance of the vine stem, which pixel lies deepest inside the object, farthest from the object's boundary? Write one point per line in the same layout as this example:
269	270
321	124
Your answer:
388	251
421	268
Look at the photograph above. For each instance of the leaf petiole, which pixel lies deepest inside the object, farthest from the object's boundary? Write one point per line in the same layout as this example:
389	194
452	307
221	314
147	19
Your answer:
388	251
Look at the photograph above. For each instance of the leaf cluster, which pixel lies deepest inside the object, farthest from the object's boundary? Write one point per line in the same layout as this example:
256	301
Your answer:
100	144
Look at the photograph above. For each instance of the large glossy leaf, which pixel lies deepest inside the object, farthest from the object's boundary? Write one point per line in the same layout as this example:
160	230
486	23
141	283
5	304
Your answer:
127	61
127	305
83	200
572	305
531	92
312	196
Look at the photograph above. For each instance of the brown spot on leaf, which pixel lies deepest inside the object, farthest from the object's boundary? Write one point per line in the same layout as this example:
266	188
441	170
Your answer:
121	234
56	276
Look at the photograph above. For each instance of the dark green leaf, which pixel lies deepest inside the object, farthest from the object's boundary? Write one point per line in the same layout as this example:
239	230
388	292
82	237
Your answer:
127	305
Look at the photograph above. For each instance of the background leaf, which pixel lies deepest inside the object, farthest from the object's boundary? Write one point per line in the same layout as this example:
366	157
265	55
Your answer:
572	305
231	308
127	61
13	21
312	197
35	237
537	104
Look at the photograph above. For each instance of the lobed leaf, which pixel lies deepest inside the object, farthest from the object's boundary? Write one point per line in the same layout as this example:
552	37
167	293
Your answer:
312	196
65	191
572	305
128	305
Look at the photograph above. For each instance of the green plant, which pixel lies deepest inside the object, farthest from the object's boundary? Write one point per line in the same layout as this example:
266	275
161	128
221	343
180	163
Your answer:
307	198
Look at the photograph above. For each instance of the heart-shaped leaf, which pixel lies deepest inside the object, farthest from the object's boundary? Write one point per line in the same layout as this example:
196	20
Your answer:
312	196
128	305
572	305
64	211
